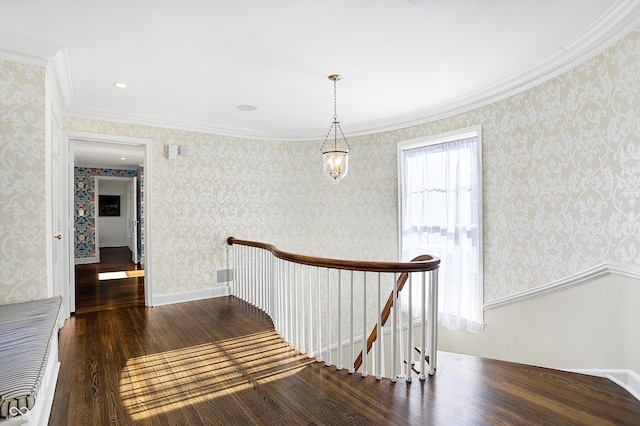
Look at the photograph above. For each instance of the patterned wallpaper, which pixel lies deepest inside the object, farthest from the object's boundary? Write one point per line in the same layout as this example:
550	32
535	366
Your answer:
561	186
560	179
561	172
85	203
23	260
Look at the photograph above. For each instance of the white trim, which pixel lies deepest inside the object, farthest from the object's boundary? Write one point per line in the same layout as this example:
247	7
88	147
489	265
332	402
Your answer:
570	281
453	135
190	296
627	379
86	260
450	136
126	140
114	245
618	21
60	72
39	414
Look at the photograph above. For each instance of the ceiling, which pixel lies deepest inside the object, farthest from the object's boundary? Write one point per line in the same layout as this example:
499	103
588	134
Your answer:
190	64
112	155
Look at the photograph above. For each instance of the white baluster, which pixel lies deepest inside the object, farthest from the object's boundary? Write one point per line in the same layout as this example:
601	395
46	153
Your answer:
303	338
310	321
339	353
295	309
423	316
318	321
410	329
328	363
433	321
351	359
379	339
364	327
394	330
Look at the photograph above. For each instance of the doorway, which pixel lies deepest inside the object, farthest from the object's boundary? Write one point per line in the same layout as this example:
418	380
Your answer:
118	274
115	282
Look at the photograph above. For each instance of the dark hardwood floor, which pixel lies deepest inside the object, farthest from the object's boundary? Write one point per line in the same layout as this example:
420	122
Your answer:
219	362
121	290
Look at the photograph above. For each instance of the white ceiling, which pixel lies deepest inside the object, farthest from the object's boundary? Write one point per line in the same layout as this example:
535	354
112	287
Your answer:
189	64
114	155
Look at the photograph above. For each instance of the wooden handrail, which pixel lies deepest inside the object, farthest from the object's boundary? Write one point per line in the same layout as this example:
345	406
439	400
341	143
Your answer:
386	311
421	263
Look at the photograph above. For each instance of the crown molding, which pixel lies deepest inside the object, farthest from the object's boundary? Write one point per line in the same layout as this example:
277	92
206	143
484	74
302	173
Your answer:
618	21
565	283
60	72
91	113
25	50
622	18
51	56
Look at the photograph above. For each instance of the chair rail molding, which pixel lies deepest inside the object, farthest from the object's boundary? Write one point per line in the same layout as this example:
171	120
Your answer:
599	271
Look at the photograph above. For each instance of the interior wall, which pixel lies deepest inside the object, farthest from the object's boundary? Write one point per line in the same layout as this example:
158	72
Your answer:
558	181
560	172
589	326
560	188
85	208
23	207
112	230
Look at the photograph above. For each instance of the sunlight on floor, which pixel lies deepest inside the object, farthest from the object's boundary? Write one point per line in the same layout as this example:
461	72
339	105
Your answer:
120	275
170	380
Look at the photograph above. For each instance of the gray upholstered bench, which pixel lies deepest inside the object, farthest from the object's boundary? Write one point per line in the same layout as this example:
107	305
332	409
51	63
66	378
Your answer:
28	360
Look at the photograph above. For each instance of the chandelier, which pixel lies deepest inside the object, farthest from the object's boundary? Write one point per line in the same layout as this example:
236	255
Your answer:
336	154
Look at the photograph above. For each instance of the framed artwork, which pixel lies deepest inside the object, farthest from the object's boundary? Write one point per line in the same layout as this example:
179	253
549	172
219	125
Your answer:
109	205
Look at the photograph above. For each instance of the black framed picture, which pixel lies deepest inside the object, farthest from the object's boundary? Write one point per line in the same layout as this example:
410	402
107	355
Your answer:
109	205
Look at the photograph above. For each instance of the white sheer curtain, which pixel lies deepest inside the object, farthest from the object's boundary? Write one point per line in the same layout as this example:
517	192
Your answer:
442	217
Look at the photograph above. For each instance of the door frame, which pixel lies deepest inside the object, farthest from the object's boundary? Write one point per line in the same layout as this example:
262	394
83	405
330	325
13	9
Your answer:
99	181
71	135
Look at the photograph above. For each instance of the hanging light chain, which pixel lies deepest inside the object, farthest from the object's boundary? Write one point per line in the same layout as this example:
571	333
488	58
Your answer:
335	126
335	98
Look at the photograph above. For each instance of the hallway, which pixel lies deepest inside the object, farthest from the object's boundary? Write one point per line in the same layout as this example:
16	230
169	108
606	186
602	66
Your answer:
115	282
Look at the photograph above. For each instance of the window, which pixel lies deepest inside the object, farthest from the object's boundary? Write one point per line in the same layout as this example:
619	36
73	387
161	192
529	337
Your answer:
441	214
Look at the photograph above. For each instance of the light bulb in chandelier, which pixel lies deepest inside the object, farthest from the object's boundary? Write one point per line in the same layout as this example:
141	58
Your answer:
336	164
335	152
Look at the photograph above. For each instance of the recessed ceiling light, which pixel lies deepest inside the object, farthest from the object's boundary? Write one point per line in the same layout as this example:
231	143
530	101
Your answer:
123	158
247	108
120	85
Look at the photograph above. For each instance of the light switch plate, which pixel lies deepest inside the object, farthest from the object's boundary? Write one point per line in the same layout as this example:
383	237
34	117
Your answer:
172	152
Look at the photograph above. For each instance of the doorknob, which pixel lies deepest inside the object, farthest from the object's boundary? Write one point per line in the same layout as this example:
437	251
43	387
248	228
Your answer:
59	236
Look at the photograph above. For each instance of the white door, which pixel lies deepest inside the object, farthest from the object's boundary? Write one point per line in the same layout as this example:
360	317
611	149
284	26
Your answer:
133	219
59	169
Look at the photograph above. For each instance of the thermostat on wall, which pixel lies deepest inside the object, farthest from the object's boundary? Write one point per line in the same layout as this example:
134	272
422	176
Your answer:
185	150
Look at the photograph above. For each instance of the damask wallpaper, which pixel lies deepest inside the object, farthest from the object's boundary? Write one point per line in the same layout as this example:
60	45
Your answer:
561	172
23	259
85	207
561	185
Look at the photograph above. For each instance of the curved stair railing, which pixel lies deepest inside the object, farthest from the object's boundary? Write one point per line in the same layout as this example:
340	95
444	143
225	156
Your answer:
324	307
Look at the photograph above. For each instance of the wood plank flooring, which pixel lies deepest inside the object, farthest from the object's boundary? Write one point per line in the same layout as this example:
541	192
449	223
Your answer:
219	361
93	294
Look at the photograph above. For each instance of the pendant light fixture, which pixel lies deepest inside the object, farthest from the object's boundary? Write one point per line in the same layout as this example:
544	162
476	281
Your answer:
335	153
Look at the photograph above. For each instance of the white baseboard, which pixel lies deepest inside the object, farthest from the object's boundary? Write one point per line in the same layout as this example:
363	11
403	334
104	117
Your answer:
87	260
627	379
189	296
